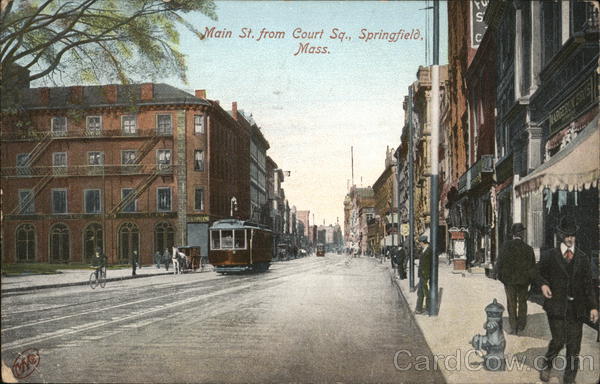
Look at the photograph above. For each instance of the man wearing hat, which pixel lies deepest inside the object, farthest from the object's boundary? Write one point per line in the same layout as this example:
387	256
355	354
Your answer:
566	283
515	268
424	275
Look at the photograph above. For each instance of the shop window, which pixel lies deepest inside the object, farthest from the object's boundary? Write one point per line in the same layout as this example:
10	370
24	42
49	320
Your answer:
164	237
25	243
59	243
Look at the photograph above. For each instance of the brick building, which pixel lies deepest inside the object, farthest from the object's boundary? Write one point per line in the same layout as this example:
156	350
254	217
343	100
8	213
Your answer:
121	167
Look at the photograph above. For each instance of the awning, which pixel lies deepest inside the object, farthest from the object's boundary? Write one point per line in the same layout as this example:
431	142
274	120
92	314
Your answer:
575	167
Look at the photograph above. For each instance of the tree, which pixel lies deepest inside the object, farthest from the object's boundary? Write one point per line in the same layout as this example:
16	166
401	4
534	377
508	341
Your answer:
90	41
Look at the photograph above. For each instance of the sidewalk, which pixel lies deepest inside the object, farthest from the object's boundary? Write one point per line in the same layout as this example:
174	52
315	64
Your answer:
71	277
461	316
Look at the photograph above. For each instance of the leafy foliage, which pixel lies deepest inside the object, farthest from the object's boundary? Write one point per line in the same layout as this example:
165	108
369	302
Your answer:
94	41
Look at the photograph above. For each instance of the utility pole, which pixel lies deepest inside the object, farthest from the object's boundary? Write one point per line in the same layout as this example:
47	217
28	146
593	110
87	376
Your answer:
411	198
435	134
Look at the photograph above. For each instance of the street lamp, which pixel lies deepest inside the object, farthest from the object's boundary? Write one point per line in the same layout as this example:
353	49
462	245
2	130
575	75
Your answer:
233	206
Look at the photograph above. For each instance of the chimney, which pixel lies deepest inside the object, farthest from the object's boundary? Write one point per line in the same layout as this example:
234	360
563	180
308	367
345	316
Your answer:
110	93
76	94
201	93
147	92
44	95
234	112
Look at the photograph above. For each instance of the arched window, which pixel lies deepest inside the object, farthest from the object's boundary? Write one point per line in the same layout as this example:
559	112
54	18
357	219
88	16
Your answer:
59	243
25	242
164	237
92	238
129	241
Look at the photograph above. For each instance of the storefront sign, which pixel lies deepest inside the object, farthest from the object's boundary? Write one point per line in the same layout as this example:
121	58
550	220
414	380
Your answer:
198	219
478	26
583	97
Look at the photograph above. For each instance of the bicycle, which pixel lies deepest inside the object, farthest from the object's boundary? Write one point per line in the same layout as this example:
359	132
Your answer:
98	277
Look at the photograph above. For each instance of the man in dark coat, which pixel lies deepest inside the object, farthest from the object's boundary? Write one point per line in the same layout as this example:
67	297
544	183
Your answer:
401	260
424	275
516	270
566	283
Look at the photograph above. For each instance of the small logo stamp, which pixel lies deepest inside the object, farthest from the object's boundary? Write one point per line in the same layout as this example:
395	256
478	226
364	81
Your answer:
26	363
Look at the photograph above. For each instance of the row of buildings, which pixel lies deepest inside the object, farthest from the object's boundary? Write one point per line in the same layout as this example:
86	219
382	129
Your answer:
518	135
138	167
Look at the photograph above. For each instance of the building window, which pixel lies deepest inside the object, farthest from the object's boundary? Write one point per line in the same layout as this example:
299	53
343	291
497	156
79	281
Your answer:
59	243
198	124
525	47
164	237
163	157
551	29
95	158
163	125
92	239
132	205
199	199
59	201
26	202
163	198
129	241
23	164
25	243
94	125
198	160
128	125
59	125
59	159
92	201
128	157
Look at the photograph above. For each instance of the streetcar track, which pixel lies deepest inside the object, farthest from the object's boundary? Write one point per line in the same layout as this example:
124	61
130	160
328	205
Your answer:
20	343
182	290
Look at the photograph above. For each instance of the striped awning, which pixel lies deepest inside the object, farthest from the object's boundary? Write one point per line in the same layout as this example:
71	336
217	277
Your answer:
575	167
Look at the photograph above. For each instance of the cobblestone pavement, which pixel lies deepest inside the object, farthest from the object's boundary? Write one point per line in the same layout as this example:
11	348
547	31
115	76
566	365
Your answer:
328	319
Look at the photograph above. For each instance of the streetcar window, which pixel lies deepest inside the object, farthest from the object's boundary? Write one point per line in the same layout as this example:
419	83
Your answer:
240	239
227	239
216	239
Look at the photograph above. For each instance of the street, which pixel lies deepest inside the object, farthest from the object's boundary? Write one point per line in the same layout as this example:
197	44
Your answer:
314	319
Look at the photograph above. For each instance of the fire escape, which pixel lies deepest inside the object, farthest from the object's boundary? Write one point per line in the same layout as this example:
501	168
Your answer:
142	186
26	170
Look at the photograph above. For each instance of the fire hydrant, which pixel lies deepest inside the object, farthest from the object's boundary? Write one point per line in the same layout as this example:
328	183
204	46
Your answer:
493	341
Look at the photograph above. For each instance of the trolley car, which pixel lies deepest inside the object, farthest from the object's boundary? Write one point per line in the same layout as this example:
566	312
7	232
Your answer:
237	246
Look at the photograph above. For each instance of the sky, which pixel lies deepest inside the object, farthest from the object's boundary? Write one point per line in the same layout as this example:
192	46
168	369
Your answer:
314	107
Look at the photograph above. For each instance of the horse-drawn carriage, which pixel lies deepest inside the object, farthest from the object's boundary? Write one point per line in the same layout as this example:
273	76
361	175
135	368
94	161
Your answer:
190	258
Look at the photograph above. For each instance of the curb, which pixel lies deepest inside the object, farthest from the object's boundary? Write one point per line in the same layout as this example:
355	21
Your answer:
36	287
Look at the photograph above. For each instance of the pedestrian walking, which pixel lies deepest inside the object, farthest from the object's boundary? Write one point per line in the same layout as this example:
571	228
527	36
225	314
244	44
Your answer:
401	262
134	261
516	269
565	278
157	259
424	275
166	258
